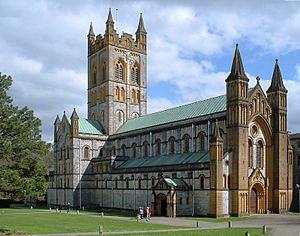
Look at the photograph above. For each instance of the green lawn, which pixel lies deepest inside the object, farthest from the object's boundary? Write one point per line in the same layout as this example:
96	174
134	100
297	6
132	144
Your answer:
206	232
46	222
215	220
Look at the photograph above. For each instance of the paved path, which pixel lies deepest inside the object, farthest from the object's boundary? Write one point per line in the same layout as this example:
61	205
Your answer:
282	225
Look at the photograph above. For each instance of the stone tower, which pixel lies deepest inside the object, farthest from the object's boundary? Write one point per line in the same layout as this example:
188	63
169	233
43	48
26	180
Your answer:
117	75
237	132
277	98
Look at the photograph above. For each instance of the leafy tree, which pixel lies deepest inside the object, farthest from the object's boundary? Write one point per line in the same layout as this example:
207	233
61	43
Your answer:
22	151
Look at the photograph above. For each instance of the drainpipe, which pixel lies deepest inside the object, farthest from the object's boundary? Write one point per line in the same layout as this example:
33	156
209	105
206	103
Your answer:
193	199
208	134
134	191
151	145
193	145
79	176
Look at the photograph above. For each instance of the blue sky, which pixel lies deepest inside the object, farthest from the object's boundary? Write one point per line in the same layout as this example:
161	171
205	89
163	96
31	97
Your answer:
190	49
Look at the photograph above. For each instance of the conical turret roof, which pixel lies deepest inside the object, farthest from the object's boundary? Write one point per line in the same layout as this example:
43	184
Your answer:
277	82
237	68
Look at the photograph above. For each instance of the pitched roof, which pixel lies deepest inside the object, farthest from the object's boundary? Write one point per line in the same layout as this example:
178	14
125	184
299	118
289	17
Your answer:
184	112
87	126
165	160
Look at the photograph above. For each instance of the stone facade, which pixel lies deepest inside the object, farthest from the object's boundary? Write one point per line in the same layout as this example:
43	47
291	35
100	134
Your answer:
295	142
228	155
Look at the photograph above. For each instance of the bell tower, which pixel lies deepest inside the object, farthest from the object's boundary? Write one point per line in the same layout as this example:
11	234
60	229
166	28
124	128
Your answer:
117	75
237	132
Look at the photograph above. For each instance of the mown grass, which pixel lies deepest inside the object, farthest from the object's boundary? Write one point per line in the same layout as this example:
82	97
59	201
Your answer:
52	222
206	232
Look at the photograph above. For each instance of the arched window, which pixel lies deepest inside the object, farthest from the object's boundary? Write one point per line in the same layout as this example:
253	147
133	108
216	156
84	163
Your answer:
260	154
104	71
133	150
158	147
122	98
139	183
201	141
133	96
250	153
116	183
94	75
106	183
135	74
119	70
145	147
152	181
123	150
186	143
117	93
86	153
101	152
127	183
120	116
201	181
171	145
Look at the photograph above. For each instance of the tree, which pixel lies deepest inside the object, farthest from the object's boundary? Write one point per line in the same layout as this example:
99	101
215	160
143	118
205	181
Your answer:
22	168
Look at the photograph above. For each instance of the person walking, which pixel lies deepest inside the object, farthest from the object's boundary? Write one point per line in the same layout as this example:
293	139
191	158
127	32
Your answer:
141	212
147	213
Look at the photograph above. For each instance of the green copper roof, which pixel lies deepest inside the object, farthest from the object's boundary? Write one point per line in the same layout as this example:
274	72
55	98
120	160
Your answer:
87	126
196	109
165	160
175	182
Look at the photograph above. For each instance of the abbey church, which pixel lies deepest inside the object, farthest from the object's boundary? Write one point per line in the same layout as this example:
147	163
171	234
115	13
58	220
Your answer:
226	155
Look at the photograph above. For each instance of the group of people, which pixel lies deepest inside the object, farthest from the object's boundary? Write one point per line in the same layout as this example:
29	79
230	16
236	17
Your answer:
144	213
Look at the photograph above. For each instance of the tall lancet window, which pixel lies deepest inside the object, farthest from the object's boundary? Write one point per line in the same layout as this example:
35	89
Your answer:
259	154
119	70
250	153
135	74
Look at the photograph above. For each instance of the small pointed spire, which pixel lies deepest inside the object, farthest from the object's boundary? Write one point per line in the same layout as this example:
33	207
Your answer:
109	18
91	30
74	115
141	26
276	83
216	135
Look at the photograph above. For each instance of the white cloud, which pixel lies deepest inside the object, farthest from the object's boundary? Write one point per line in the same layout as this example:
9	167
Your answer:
43	46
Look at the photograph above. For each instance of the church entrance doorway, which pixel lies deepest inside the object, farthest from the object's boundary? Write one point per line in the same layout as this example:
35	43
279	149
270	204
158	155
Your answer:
257	200
253	201
161	205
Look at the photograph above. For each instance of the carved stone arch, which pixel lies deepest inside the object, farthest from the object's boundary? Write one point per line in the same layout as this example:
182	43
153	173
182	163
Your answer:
265	126
201	141
135	73
120	69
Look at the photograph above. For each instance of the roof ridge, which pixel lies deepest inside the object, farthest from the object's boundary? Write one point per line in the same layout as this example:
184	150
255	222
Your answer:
171	108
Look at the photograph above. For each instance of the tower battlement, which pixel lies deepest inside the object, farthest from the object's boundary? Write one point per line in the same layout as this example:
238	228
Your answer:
111	37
